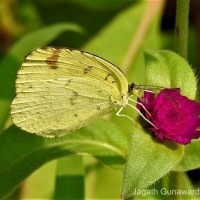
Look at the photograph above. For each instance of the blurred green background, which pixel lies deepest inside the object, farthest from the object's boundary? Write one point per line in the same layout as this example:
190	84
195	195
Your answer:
119	31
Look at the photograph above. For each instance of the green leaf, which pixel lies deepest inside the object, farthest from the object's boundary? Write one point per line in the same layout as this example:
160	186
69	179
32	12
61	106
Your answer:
167	69
148	161
22	153
70	178
101	179
31	187
114	41
39	38
12	61
191	158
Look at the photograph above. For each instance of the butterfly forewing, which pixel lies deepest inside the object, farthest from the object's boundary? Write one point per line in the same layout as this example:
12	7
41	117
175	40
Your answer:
61	90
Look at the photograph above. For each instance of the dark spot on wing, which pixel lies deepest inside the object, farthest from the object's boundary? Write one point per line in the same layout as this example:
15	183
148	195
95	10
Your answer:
68	82
112	80
52	60
106	78
88	69
75	115
91	100
53	66
73	101
98	108
73	98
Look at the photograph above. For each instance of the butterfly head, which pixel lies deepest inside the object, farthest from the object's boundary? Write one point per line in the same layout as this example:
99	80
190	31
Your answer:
134	89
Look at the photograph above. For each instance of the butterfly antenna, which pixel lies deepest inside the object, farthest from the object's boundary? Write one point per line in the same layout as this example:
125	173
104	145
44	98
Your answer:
148	87
134	86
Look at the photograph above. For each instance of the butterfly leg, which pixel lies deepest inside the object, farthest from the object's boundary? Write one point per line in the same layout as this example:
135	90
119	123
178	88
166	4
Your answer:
121	115
140	105
142	115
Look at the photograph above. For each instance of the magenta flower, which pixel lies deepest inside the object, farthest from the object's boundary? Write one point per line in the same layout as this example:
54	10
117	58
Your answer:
176	118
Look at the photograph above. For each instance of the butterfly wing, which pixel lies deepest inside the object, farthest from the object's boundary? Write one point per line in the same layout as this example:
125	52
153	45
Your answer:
61	90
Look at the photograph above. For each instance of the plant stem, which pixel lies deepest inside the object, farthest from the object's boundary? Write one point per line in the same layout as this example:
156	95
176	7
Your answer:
181	29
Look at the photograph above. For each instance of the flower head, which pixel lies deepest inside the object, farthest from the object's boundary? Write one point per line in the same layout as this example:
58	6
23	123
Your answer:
176	118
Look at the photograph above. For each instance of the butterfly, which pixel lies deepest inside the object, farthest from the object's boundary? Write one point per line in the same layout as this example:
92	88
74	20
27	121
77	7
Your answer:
59	90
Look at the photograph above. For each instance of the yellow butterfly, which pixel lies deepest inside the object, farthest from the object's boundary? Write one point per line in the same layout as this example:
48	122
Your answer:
60	90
